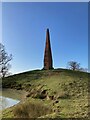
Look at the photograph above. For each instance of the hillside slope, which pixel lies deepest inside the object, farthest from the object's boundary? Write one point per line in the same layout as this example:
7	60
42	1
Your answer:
64	91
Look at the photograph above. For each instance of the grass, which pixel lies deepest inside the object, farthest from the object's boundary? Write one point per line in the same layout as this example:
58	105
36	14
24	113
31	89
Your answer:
31	110
65	91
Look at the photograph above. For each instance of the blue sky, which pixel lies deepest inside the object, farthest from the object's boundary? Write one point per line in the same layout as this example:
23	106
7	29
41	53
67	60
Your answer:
24	33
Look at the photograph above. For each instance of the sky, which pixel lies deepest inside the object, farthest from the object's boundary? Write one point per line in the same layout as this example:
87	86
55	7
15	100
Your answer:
24	33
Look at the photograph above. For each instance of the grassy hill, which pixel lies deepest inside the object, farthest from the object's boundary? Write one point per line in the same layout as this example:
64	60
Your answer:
54	93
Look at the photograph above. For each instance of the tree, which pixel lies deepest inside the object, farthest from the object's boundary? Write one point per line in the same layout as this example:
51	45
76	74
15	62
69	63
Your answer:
73	65
4	61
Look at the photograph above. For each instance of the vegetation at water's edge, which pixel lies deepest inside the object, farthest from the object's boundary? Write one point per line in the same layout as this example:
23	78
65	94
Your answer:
61	93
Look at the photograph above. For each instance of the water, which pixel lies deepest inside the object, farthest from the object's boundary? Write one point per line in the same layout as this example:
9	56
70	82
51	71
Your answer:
10	97
6	102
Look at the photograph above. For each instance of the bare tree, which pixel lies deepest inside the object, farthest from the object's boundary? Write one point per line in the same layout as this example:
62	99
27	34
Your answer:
73	65
4	61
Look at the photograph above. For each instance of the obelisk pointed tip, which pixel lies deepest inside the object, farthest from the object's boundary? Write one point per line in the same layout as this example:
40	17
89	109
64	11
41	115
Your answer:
47	29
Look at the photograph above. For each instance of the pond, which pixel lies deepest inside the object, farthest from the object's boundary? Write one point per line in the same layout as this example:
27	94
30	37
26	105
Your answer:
10	97
6	102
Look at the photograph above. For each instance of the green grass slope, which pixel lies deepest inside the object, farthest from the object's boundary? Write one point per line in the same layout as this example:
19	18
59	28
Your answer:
63	93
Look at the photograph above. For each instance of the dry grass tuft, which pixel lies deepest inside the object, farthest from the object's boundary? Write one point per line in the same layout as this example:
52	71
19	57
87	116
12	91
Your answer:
31	110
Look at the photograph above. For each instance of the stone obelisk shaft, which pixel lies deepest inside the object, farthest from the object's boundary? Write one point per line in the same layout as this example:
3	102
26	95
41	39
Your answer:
48	63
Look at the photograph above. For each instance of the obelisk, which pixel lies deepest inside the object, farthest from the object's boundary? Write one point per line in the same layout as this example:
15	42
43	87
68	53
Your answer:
48	63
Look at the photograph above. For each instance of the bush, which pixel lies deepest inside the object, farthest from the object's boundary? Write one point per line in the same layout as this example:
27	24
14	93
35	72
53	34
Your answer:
31	110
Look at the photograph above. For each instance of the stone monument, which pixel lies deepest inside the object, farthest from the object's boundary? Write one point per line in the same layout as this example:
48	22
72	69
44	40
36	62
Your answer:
48	62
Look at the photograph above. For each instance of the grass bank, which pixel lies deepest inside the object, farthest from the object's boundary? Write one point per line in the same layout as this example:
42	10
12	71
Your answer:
63	93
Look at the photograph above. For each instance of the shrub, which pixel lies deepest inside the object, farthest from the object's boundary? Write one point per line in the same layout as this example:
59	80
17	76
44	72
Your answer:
31	110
